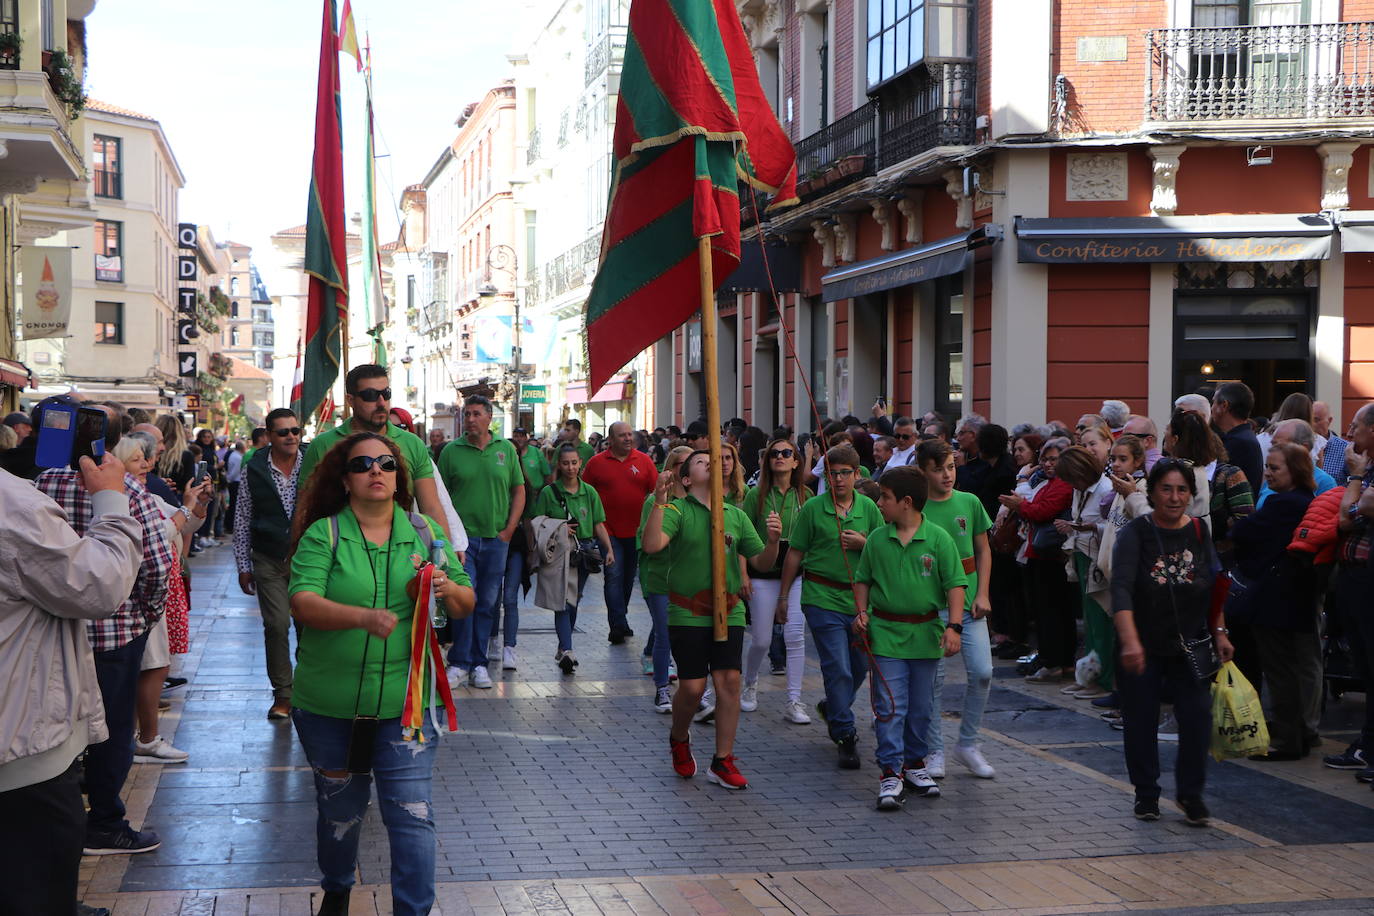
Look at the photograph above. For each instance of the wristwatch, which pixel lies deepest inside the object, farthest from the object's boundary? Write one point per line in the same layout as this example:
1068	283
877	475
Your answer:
956	627
1354	478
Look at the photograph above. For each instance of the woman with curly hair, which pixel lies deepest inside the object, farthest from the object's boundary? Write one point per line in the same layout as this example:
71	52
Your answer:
356	549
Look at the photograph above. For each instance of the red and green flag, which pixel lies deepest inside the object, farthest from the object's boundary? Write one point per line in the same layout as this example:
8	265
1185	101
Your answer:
326	261
692	123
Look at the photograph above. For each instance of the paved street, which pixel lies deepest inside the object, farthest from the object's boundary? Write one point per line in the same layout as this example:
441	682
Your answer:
556	796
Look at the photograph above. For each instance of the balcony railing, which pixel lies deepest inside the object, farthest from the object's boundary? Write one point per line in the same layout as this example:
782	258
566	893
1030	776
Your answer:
855	134
532	149
932	107
1261	72
9	35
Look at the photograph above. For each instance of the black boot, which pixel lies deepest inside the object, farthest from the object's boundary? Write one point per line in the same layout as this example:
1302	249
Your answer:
849	752
335	903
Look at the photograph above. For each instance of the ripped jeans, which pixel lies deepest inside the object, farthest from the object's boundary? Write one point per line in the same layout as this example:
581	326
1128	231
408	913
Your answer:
402	770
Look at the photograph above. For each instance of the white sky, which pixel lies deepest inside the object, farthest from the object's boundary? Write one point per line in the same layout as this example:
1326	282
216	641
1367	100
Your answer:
234	87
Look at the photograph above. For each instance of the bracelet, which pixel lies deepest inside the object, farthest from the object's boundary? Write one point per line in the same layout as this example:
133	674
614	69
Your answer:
662	505
1222	630
184	510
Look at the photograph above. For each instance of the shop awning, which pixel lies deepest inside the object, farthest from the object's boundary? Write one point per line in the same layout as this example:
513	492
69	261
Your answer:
1357	229
14	374
1173	239
614	390
904	268
782	265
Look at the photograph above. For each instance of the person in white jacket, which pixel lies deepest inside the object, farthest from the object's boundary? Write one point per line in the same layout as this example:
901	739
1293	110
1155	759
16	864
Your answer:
51	582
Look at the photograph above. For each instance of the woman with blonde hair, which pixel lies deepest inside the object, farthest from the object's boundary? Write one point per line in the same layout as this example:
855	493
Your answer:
653	583
732	470
176	465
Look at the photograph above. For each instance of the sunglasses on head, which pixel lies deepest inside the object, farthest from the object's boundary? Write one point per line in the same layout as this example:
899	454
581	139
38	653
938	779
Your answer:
287	431
373	394
361	464
781	453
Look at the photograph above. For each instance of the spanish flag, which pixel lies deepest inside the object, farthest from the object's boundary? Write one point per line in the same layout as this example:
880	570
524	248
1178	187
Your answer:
348	35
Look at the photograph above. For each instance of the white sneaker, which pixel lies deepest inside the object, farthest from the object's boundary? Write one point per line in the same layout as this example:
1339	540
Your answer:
480	678
796	713
456	675
890	792
935	764
1073	688
508	658
158	751
919	781
977	764
663	700
707	711
749	698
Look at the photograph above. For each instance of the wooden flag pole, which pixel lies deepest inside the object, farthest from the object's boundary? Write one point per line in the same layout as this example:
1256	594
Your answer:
708	369
343	365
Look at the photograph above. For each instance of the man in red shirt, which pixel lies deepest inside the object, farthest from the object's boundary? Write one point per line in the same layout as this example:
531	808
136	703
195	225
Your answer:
622	477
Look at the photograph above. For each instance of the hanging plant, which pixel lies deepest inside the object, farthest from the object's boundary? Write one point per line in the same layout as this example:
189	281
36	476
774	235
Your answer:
65	84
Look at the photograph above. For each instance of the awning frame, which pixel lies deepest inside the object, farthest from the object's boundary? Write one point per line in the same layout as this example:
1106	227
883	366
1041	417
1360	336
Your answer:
903	268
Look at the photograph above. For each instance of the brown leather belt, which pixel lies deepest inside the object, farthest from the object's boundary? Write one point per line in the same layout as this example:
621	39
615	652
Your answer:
903	618
828	583
970	564
702	604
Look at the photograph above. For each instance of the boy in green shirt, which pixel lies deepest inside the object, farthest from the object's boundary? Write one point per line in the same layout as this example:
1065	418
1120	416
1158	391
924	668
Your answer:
909	570
963	517
824	547
683	528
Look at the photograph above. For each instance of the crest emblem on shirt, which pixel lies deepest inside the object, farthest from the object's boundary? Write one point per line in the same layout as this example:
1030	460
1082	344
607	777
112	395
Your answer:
927	564
500	457
634	469
962	523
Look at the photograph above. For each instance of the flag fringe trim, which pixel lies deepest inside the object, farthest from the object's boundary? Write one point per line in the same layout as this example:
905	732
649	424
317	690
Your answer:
738	137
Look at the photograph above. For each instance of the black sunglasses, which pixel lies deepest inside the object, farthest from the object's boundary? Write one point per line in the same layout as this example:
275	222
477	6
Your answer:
374	394
287	431
781	453
361	464
904	436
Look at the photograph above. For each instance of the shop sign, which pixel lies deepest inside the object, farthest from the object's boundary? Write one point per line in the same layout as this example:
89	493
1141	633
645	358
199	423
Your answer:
534	394
1135	250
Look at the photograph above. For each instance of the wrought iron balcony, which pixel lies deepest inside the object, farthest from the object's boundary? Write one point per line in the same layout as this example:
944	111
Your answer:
1311	72
932	107
532	149
855	134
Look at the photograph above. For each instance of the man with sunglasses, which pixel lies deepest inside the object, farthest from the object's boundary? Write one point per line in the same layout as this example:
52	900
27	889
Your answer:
622	477
262	540
368	395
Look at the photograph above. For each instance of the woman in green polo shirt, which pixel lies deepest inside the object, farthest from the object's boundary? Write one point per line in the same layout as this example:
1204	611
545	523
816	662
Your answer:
653	582
356	552
568	497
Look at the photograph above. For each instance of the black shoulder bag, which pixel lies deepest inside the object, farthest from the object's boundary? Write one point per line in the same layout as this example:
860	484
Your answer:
587	553
1199	654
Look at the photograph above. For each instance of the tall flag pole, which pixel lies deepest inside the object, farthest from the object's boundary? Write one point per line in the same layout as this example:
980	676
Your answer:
326	259
297	384
372	262
692	122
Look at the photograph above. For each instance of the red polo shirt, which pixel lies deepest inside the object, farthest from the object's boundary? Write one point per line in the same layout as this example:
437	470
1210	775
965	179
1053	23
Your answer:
622	486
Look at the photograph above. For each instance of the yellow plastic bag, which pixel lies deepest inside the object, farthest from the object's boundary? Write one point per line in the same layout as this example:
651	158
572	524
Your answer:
1238	726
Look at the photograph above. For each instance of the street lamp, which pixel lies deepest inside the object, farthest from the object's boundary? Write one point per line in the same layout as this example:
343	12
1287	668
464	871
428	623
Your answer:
503	258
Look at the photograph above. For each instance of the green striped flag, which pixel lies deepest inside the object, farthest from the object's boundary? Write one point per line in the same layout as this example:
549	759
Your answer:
326	260
692	122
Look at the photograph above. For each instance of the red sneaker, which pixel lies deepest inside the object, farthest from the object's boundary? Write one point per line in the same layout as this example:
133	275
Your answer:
684	764
723	772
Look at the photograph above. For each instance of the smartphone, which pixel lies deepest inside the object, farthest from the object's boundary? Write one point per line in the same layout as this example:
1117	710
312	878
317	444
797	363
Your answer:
66	432
362	743
202	469
90	436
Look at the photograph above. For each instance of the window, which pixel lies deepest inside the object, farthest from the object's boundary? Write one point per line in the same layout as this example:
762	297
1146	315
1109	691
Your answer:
109	250
410	292
46	17
109	322
949	346
233	337
903	33
108	164
531	235
233	286
824	53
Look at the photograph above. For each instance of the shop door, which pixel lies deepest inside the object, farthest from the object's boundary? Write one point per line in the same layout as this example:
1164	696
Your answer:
1263	339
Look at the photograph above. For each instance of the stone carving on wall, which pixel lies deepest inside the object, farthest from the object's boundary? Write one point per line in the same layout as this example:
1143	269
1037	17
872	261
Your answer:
826	239
954	187
846	232
886	220
1164	199
1096	176
912	208
1336	161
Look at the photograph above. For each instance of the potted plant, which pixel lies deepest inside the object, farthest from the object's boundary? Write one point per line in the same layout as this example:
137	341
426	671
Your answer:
852	164
65	84
10	43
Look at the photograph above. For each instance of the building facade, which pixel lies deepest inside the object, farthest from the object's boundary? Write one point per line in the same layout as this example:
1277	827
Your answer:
123	335
248	331
1022	207
45	188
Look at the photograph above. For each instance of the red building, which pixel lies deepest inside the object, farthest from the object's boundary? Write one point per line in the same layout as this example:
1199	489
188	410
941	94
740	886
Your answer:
1022	207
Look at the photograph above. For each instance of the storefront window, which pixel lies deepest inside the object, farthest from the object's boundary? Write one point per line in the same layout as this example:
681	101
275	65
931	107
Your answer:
949	346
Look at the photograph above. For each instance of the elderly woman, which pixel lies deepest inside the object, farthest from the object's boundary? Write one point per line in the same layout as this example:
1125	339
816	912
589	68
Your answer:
1163	567
1282	605
356	552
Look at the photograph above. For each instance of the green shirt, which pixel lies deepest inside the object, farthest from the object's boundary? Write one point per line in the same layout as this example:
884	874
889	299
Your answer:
653	567
963	518
687	523
419	464
584	507
248	455
817	537
329	662
479	480
584	451
914	579
537	470
785	504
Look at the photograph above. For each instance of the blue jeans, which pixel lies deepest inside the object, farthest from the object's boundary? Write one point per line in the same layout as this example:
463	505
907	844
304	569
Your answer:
486	568
976	649
565	620
657	643
108	763
620	583
515	569
901	709
403	770
843	666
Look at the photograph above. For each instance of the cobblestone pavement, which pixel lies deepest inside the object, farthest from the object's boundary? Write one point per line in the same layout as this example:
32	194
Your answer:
561	787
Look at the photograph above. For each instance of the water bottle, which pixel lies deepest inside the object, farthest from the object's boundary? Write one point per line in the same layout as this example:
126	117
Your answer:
436	607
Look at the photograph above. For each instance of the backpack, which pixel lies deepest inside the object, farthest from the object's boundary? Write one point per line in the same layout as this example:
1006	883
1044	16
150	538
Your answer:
418	521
